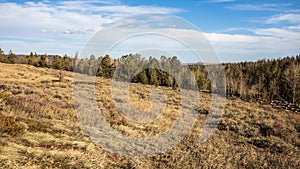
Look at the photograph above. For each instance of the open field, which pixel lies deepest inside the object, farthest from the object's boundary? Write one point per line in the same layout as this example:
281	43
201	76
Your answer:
39	128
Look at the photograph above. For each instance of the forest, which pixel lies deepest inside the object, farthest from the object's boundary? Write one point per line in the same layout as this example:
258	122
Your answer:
268	79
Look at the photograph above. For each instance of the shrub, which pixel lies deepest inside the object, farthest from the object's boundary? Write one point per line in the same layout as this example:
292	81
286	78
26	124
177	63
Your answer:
10	126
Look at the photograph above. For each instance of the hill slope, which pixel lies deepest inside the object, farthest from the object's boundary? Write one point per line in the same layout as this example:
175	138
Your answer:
39	128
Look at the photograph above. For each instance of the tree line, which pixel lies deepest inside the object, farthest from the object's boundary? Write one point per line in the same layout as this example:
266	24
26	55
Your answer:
264	79
47	61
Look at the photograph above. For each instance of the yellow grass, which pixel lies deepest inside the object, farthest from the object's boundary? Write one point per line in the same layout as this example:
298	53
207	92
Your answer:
39	127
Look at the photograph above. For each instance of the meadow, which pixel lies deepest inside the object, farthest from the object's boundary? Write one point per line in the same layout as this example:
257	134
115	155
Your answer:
39	127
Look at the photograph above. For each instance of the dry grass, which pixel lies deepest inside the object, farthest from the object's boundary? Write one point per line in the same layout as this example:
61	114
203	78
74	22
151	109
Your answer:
39	128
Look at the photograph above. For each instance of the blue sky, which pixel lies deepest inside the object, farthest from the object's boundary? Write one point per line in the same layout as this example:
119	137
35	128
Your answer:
239	30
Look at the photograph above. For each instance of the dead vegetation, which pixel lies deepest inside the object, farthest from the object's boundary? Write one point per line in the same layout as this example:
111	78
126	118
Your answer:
39	128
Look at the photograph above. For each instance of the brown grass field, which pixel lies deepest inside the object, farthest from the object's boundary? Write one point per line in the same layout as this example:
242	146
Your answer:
39	128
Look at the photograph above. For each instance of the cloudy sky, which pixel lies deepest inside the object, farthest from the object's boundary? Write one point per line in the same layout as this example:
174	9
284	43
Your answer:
239	30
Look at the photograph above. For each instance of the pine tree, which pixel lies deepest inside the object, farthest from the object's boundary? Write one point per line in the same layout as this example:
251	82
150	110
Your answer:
105	67
11	57
2	56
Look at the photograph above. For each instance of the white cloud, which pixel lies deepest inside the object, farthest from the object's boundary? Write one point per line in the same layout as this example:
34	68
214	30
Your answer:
260	7
274	42
294	27
261	43
70	22
221	1
226	38
279	33
292	18
85	2
64	27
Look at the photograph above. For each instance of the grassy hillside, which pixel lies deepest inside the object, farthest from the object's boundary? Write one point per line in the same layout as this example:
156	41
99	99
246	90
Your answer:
39	128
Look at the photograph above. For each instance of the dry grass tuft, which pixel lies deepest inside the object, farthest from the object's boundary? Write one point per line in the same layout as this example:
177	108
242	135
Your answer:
10	126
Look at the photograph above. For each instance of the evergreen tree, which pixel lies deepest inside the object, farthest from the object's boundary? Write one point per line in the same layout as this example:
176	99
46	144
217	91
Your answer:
11	57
